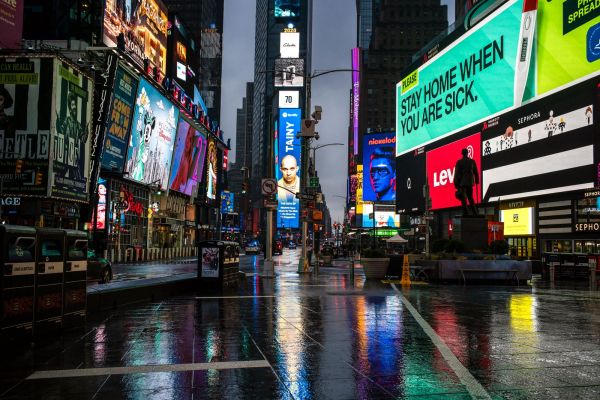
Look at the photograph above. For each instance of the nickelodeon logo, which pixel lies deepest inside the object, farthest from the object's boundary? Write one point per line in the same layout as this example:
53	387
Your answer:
387	140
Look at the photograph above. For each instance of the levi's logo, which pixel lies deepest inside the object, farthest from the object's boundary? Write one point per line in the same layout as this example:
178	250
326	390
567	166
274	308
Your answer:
444	177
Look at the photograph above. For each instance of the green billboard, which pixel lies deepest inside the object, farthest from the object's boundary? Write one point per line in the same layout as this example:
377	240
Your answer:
475	77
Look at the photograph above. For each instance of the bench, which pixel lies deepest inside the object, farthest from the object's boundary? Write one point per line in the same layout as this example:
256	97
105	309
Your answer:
511	273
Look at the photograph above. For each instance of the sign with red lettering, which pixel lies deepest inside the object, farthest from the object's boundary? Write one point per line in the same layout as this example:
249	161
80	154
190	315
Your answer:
128	203
440	171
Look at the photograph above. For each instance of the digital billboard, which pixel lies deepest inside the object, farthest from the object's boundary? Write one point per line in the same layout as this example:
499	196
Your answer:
289	72
544	147
286	8
143	24
73	93
517	221
514	60
379	163
102	204
152	137
289	99
440	171
469	80
227	202
355	95
289	44
212	170
119	120
25	120
381	219
190	150
410	179
288	168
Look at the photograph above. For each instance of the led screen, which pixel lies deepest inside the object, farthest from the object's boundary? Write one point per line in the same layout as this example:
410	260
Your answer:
152	137
507	59
288	169
355	95
289	99
286	8
544	147
143	24
227	202
382	219
119	120
102	204
190	150
289	72
517	221
212	170
379	165
440	171
410	179
289	44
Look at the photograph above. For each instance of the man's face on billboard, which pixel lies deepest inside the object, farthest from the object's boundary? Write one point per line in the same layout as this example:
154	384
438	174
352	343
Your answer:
288	168
73	108
381	174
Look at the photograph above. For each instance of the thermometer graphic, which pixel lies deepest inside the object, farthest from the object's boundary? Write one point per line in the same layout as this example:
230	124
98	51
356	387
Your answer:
526	37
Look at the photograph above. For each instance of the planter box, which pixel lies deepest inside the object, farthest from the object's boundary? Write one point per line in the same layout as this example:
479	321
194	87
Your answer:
327	259
375	268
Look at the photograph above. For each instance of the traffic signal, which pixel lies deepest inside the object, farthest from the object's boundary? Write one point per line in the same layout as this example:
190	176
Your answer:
38	178
244	187
18	166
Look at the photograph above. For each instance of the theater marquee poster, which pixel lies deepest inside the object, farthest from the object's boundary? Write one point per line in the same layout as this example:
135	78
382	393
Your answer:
71	132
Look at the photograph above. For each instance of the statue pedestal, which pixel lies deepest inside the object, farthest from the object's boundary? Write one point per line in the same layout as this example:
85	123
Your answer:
472	231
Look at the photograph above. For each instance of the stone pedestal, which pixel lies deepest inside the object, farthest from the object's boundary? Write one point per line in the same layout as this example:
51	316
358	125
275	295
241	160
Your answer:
472	231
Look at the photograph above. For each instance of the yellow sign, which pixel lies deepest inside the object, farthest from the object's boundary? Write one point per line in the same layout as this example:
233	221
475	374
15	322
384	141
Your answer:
359	189
517	221
410	81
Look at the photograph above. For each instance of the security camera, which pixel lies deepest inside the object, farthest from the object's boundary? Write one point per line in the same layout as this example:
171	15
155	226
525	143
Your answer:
316	135
93	68
80	61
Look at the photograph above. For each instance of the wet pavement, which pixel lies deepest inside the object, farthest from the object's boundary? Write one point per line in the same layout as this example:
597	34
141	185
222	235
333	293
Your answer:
297	336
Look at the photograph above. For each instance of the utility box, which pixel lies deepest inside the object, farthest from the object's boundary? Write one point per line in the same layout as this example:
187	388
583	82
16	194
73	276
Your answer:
218	264
75	283
17	281
49	278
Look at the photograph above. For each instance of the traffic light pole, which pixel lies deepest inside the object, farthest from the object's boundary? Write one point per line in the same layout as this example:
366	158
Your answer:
304	262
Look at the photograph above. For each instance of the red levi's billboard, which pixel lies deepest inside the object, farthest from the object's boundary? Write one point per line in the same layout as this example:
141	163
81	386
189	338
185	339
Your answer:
440	171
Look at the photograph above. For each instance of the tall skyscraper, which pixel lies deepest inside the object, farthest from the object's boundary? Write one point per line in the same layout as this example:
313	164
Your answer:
243	142
205	20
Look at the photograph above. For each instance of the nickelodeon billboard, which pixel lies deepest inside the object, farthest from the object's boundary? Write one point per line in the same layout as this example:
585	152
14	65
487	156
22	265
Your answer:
509	58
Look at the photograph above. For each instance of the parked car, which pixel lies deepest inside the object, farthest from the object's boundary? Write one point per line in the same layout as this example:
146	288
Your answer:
252	247
278	247
292	245
99	268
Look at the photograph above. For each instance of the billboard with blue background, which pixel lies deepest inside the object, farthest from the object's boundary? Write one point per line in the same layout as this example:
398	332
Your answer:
379	167
287	172
227	202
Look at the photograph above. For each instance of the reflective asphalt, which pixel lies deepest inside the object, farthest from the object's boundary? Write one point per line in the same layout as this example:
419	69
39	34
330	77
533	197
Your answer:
297	336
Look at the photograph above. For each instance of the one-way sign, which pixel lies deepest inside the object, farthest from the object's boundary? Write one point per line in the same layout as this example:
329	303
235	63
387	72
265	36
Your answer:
303	196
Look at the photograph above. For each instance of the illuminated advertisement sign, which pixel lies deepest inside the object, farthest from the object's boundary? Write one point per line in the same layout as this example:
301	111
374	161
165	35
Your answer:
355	95
289	44
289	99
288	170
515	60
11	23
289	72
286	8
211	170
379	165
119	120
227	202
469	80
188	158
359	189
517	221
440	171
102	203
352	186
143	24
71	132
383	219
544	147
410	179
152	137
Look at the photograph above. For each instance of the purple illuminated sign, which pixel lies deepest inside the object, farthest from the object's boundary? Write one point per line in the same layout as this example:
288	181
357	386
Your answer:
355	94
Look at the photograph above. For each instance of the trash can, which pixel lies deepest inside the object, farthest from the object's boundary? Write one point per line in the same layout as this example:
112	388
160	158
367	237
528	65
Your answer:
218	264
17	280
49	278
75	283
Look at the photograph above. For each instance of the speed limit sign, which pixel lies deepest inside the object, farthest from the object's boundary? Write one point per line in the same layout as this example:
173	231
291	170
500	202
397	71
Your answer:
268	186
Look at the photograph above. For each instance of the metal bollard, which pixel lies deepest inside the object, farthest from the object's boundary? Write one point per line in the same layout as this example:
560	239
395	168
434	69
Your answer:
352	270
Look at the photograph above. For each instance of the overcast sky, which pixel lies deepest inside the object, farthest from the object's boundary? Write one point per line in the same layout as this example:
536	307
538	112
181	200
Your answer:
334	35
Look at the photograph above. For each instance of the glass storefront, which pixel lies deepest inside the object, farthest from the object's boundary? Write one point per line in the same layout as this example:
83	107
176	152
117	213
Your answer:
522	246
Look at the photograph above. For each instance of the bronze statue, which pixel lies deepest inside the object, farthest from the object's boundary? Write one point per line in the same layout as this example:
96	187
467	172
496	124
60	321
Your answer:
465	176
